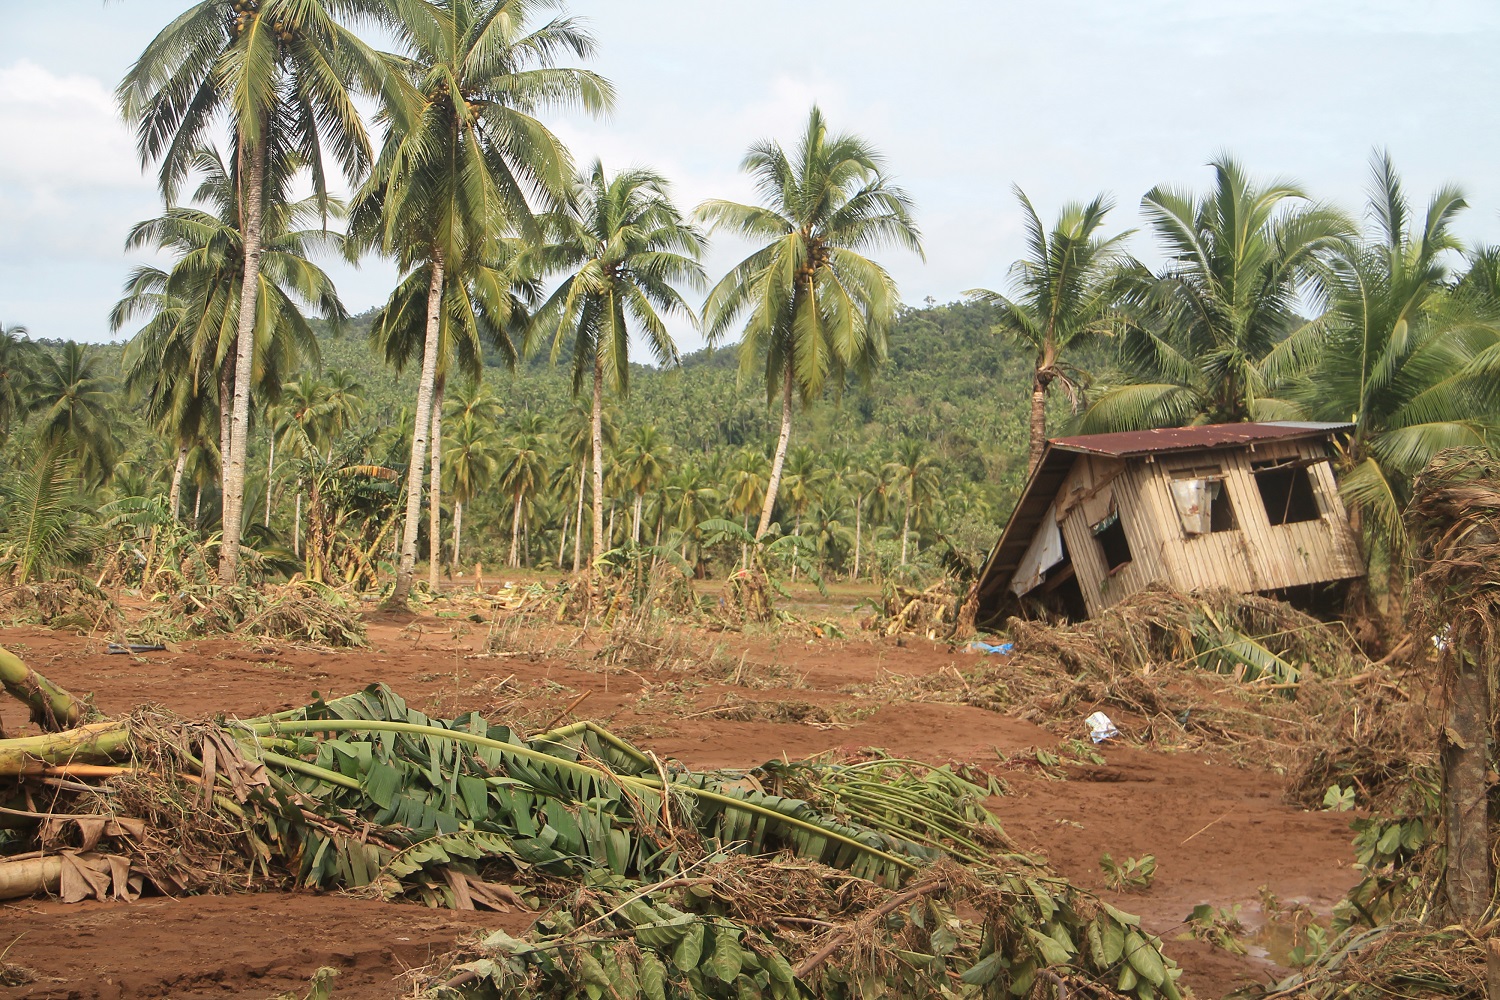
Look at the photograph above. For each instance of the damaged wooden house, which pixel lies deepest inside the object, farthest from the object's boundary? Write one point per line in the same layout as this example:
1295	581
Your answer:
1251	507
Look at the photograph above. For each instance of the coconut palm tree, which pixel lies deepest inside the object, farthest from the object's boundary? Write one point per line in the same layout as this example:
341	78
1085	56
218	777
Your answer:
815	306
183	358
1399	353
523	470
474	458
917	472
622	247
646	463
462	154
17	355
1065	290
690	499
74	401
576	429
281	72
1215	336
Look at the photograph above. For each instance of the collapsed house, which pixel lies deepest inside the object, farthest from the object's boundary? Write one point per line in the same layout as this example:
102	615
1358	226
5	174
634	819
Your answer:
1250	507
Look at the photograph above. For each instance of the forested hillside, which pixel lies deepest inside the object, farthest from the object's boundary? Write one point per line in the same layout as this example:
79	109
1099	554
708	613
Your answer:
950	400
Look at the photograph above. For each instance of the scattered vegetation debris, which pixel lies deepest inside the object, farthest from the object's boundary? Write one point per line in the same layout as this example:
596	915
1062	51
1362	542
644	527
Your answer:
302	612
1130	875
816	878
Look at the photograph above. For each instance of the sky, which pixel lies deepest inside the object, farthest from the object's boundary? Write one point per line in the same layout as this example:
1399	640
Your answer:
1066	98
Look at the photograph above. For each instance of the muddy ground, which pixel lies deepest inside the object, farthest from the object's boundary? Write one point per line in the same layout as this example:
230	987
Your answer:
1219	829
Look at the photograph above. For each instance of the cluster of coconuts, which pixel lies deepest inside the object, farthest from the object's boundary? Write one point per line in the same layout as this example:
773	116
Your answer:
246	10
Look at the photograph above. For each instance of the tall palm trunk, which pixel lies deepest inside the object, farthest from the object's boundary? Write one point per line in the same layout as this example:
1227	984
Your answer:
270	464
562	543
226	406
234	479
596	431
175	497
297	523
435	489
858	505
408	565
905	531
197	507
1038	421
635	528
458	529
578	521
786	435
515	533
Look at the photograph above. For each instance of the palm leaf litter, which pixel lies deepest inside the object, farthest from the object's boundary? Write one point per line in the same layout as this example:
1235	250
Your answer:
817	878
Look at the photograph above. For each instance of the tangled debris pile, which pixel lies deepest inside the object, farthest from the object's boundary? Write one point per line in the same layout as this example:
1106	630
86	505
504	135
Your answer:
302	612
810	879
1235	672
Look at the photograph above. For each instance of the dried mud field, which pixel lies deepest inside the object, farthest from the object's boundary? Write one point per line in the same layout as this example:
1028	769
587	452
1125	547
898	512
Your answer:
1218	827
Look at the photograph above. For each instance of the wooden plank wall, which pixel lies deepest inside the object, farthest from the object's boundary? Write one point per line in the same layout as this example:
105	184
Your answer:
1100	587
1256	556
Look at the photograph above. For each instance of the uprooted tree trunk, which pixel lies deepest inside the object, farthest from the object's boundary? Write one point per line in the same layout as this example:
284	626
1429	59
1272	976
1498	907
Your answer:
52	708
1455	516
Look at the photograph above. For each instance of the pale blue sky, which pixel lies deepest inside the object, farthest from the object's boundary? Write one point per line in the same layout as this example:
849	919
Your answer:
1064	98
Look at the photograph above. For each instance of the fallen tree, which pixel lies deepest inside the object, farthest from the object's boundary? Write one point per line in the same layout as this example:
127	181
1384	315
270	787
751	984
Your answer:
818	878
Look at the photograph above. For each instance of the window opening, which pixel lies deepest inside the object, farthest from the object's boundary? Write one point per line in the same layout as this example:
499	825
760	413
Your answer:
1115	547
1287	491
1203	505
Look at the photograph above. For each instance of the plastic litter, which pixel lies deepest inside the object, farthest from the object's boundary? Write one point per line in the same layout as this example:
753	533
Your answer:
984	647
1101	727
134	647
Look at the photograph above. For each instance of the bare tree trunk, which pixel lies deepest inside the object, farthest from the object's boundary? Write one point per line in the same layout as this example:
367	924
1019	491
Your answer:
234	480
858	505
270	464
786	434
1465	752
197	507
458	529
226	407
905	530
635	528
515	533
174	498
422	425
610	533
297	523
435	490
1038	422
597	431
578	521
562	543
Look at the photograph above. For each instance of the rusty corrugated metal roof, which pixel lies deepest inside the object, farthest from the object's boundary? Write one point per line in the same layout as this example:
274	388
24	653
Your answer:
1163	439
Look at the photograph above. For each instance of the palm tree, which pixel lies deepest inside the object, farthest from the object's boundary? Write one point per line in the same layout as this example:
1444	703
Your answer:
1399	354
577	432
17	354
473	461
689	501
461	154
917	472
817	308
523	470
1215	336
1066	286
75	401
280	71
646	464
622	246
182	360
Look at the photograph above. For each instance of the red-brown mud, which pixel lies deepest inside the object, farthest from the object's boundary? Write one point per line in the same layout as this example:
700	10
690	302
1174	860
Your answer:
1219	831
